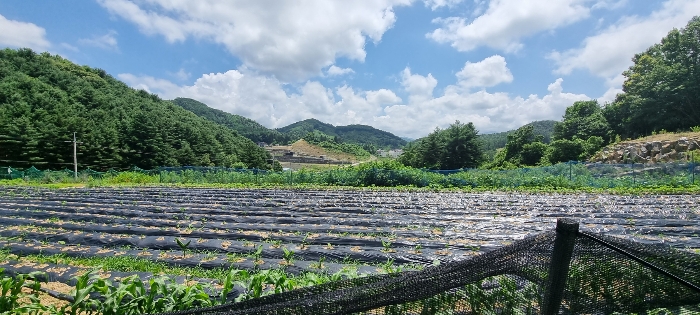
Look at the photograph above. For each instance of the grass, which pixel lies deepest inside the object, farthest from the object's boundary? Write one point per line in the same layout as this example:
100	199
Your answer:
661	189
561	178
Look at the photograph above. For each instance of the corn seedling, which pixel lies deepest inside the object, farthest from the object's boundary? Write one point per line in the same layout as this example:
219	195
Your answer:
288	255
183	246
386	246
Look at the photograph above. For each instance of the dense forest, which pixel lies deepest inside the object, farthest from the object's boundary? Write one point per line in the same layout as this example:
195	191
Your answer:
368	137
244	126
45	98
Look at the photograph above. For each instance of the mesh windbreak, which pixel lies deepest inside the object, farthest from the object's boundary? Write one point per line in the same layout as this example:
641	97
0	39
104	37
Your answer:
471	286
509	280
605	281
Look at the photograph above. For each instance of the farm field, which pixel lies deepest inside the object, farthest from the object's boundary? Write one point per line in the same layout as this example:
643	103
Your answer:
319	231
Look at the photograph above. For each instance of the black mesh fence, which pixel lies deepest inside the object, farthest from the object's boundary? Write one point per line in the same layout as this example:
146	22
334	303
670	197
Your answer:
562	272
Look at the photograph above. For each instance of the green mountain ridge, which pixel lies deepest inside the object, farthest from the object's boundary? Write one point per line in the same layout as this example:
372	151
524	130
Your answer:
244	126
45	98
357	134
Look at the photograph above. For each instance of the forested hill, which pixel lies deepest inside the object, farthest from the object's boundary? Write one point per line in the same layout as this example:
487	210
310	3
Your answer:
244	126
44	98
358	134
494	141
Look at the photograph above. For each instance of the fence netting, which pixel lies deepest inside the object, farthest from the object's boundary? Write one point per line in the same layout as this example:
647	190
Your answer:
601	275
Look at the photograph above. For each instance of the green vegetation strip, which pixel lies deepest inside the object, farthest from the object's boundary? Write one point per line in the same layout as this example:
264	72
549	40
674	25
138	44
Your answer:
402	179
160	294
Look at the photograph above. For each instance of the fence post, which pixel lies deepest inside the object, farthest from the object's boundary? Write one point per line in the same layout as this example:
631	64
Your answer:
570	170
559	265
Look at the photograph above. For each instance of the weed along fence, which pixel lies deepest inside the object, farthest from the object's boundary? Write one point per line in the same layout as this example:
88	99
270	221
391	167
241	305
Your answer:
566	271
564	175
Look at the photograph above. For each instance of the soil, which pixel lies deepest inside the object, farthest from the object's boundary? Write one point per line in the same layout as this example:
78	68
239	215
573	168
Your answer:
303	148
46	299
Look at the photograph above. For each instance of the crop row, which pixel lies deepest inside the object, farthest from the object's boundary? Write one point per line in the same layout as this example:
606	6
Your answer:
313	231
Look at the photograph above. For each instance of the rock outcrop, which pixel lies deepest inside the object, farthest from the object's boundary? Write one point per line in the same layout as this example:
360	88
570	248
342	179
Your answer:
648	152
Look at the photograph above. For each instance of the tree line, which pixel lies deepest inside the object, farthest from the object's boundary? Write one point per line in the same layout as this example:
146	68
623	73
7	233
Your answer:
44	98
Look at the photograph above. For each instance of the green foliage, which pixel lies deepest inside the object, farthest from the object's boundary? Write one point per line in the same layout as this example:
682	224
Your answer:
661	89
183	246
244	126
45	98
573	150
456	147
11	292
494	141
524	148
583	119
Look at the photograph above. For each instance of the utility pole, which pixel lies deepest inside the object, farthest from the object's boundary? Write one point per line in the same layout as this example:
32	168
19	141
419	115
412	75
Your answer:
75	156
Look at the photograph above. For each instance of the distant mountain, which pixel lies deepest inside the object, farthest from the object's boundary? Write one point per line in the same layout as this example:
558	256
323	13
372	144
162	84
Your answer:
407	139
494	141
358	134
299	129
244	126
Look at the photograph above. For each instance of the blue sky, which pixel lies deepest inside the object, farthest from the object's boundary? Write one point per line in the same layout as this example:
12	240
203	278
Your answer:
402	66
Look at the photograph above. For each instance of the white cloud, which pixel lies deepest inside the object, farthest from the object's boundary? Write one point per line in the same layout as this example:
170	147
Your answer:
610	52
266	100
436	4
420	88
490	112
486	73
107	41
22	35
336	71
292	40
505	22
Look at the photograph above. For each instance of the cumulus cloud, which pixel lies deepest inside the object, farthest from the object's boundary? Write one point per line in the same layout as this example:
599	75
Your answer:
490	112
505	22
292	40
107	41
22	34
276	104
486	73
420	88
608	53
337	71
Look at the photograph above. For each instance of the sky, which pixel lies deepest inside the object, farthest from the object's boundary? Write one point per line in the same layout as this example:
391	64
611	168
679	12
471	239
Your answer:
403	66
